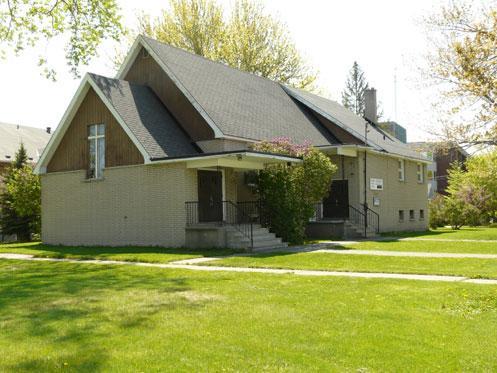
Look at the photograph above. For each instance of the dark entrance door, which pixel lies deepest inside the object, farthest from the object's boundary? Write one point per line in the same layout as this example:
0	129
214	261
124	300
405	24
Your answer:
336	206
210	194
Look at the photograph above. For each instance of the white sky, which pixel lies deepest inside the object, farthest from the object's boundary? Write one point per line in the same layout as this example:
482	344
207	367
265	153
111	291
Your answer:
383	36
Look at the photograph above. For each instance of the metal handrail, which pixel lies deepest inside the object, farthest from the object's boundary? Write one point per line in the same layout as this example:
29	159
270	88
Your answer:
232	215
373	219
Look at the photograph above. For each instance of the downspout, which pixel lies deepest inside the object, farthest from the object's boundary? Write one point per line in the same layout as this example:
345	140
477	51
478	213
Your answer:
365	182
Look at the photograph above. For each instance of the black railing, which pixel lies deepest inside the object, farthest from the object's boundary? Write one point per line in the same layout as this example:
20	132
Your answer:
357	216
372	220
226	213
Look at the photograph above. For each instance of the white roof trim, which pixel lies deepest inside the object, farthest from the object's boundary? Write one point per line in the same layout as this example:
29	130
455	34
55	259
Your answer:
370	150
128	62
53	144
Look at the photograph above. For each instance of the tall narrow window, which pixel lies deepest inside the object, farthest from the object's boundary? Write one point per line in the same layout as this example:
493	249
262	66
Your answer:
96	146
419	173
401	170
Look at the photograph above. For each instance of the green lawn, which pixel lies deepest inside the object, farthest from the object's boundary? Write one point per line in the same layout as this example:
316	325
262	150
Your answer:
82	317
475	268
465	233
426	246
126	253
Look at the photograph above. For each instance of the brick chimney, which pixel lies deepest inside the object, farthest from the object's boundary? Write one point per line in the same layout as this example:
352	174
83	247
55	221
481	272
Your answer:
370	105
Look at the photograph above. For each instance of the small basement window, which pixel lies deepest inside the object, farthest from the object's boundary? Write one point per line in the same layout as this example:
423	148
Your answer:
401	215
96	146
411	214
421	214
401	170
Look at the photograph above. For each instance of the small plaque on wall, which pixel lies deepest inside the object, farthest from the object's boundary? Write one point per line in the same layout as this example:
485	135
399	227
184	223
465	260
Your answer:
376	184
376	201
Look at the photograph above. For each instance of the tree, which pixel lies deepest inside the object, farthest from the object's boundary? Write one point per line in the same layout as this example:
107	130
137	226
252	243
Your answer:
248	39
84	23
20	200
464	65
353	94
289	193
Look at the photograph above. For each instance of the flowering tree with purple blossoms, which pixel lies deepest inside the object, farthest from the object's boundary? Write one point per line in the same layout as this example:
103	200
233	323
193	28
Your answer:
289	192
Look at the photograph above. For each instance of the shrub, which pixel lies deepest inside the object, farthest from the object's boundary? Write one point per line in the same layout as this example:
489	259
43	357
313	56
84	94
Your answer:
289	192
437	212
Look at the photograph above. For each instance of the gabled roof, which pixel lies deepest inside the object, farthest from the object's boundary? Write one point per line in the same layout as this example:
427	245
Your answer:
354	124
236	103
146	117
11	136
139	112
243	105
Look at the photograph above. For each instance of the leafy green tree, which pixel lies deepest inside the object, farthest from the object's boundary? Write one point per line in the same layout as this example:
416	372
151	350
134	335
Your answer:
248	39
464	64
84	24
289	193
20	200
437	212
355	86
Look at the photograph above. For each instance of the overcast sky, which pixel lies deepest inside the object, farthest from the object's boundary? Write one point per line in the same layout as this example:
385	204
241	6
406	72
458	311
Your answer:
383	36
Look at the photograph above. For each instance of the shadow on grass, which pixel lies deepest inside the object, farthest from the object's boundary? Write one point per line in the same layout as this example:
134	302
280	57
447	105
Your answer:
100	252
75	305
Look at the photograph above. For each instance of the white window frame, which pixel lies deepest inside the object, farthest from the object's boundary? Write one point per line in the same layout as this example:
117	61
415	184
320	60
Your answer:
95	139
420	173
401	170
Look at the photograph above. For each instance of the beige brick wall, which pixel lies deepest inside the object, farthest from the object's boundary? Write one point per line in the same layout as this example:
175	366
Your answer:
396	195
135	205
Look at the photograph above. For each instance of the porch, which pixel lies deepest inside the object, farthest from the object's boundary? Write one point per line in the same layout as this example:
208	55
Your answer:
226	212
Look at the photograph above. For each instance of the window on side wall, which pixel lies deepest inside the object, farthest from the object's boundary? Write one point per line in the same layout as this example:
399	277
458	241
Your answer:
401	215
419	172
421	214
96	150
401	170
411	214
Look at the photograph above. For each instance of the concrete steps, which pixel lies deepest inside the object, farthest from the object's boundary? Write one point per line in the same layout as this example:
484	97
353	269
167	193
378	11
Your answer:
352	230
262	238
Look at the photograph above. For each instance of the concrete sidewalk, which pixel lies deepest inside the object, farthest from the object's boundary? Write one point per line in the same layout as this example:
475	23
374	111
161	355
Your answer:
298	272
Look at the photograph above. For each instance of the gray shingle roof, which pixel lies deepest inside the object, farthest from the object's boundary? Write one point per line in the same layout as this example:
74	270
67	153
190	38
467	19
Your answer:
240	104
11	136
353	123
146	117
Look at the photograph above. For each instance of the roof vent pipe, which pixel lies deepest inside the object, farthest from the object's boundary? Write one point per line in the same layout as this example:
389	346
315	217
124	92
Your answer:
370	105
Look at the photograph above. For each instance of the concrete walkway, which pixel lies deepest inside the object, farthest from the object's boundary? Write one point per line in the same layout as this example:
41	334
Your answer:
418	254
442	240
298	272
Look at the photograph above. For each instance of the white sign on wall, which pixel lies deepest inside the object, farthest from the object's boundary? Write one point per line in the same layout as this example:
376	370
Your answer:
376	184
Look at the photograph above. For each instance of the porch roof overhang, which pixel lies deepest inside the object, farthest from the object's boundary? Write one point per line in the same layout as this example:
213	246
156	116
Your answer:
245	159
351	151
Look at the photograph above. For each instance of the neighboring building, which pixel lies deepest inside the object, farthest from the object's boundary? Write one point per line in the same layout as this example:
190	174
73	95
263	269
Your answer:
11	136
442	159
161	156
395	129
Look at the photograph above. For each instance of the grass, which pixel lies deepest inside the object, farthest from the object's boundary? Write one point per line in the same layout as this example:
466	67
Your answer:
426	246
126	253
465	233
475	268
87	318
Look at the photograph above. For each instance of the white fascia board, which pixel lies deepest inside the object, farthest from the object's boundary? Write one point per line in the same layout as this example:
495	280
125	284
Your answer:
55	139
129	59
262	157
141	42
374	151
124	126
